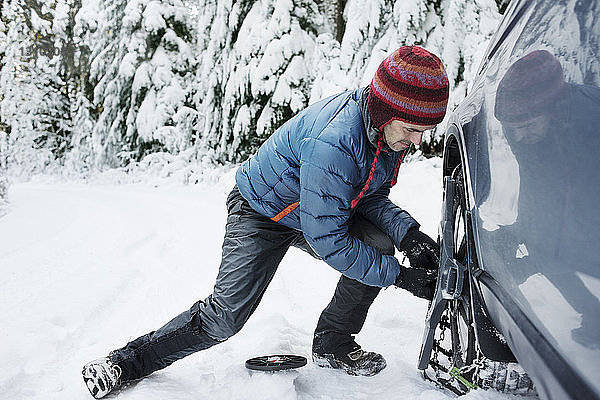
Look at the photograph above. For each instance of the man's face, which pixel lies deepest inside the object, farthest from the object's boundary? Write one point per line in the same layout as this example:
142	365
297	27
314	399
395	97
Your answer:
530	131
399	135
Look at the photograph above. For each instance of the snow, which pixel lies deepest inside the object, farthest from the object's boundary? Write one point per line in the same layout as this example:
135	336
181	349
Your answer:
87	267
153	19
40	24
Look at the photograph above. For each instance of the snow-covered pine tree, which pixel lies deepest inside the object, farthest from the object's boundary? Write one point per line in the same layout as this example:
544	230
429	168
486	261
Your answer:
34	95
142	69
460	38
333	17
67	66
343	65
264	73
79	158
219	23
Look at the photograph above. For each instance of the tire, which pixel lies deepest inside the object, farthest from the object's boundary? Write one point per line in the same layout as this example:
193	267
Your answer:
461	315
455	346
467	366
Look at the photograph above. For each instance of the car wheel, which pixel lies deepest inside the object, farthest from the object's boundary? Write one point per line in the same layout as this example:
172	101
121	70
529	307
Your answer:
454	348
457	362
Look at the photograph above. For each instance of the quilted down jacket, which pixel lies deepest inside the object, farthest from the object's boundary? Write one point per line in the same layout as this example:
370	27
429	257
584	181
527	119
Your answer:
319	168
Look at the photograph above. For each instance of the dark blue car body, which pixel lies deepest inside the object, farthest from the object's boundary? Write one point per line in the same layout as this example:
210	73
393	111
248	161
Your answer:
526	145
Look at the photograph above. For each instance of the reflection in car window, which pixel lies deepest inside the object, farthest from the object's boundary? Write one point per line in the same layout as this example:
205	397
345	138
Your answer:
552	128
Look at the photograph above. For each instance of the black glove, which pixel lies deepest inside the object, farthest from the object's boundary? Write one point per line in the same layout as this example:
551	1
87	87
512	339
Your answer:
420	282
421	250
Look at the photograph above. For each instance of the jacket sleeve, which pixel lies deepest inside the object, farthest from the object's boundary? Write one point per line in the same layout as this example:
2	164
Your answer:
327	174
387	216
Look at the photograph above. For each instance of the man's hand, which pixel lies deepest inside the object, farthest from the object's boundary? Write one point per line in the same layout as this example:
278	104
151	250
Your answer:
421	250
420	282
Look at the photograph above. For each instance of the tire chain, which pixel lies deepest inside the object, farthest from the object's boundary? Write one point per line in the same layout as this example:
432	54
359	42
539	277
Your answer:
483	372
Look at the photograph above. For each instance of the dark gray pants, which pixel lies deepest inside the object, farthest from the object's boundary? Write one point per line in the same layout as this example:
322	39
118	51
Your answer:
253	247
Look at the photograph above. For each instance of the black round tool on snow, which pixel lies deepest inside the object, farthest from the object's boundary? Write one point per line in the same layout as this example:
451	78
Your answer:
277	362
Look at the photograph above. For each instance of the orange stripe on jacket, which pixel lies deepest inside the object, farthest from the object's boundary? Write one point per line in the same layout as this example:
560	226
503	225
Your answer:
286	211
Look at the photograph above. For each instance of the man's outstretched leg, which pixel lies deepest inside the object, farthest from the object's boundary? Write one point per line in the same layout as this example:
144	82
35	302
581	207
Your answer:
178	338
252	249
344	316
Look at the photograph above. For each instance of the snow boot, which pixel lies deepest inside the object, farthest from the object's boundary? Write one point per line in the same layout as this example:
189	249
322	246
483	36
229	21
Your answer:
101	376
357	362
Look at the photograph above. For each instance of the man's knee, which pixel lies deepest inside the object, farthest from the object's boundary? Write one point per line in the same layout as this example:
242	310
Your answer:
384	245
366	231
222	331
220	323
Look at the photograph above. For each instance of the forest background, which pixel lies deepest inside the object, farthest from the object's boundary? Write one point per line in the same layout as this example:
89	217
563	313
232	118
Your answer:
88	86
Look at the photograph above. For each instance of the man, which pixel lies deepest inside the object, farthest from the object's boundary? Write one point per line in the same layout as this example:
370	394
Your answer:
321	183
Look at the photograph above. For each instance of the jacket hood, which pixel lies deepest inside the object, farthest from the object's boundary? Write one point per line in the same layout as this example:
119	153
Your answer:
372	132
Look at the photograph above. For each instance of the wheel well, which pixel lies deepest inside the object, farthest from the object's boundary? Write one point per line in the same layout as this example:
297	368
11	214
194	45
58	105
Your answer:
451	154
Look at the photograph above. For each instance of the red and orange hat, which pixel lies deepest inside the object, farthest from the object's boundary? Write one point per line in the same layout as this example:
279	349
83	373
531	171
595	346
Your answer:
410	85
532	86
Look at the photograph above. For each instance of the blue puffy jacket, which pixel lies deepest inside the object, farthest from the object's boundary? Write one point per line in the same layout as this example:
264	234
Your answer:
307	173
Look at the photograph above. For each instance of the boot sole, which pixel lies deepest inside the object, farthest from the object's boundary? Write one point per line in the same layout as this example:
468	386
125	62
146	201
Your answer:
328	361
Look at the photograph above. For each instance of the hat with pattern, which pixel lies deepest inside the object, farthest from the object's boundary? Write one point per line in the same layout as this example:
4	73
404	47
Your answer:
532	86
410	85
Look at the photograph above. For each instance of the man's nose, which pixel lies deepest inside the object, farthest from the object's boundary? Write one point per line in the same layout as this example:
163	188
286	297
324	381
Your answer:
520	133
416	137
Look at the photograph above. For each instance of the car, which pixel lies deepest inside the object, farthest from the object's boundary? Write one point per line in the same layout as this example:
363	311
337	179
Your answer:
517	303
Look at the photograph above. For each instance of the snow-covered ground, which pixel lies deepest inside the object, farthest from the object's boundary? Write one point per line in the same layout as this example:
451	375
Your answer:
85	268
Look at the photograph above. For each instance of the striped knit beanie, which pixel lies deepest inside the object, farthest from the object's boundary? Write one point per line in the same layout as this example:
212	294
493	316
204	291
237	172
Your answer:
410	85
530	87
